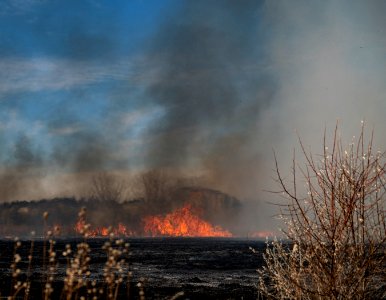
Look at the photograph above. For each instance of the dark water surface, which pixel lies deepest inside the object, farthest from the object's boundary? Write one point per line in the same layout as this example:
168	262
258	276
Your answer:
203	268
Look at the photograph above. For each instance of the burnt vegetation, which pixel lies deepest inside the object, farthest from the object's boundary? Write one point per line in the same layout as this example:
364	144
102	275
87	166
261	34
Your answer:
106	205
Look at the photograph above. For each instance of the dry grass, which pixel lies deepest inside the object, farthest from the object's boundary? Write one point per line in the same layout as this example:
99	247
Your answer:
335	226
77	281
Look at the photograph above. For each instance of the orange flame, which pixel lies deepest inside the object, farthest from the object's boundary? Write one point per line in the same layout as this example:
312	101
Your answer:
182	222
103	231
81	228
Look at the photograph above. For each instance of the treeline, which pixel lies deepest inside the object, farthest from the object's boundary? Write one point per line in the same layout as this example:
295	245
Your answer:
22	217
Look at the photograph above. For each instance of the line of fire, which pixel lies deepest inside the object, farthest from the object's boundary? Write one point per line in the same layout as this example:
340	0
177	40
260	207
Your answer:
187	212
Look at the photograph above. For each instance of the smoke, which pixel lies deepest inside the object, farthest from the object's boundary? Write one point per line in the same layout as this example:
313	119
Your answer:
78	132
239	78
213	84
22	170
215	88
328	60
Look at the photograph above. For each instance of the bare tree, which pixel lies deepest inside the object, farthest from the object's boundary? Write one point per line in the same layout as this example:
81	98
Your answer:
107	187
157	186
335	226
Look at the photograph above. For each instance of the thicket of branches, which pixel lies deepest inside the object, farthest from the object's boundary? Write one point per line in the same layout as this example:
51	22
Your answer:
107	187
335	226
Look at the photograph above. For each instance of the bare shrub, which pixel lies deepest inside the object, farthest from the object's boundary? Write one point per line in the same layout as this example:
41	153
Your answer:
107	187
157	186
335	226
78	280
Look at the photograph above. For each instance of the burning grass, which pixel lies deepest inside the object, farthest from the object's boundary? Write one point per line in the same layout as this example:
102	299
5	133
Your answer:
184	221
78	281
125	217
121	230
55	270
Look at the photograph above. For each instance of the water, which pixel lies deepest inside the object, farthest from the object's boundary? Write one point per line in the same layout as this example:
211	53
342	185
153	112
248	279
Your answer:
214	268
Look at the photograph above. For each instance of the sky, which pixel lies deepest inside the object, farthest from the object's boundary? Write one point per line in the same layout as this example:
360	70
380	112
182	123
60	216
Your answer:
200	87
67	66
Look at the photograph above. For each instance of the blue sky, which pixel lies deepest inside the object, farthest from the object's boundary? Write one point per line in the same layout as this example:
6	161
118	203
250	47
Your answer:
75	72
65	63
69	28
89	85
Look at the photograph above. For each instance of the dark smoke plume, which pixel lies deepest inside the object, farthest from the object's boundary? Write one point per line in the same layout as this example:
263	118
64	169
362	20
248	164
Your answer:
228	81
208	87
23	170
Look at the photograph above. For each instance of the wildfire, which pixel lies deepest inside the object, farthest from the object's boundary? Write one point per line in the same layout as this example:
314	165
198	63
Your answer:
182	222
81	227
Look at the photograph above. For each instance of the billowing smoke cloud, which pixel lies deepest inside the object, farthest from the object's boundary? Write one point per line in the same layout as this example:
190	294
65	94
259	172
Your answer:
328	59
228	81
77	131
213	83
22	171
240	78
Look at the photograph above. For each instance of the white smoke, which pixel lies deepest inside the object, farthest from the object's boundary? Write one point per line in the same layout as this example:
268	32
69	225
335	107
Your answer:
329	61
